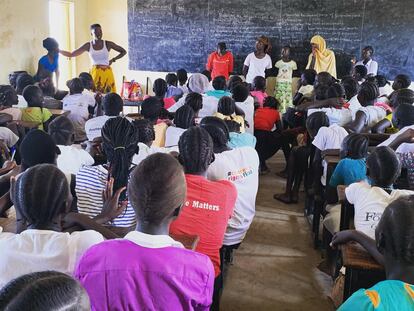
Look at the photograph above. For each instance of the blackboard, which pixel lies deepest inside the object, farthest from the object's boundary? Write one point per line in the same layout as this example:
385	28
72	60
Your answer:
172	34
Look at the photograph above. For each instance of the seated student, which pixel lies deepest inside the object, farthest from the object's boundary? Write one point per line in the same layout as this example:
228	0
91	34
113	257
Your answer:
150	110
172	88
219	85
149	269
369	114
78	104
245	102
146	134
35	111
233	81
383	85
324	78
42	201
268	132
183	119
71	157
207	74
307	79
226	110
119	143
238	139
195	101
113	106
8	99
370	200
209	204
160	90
89	88
44	291
22	81
182	80
392	248
351	88
259	91
359	73
239	166
401	82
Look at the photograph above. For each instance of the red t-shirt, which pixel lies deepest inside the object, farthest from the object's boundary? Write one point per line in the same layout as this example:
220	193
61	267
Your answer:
207	209
265	118
169	102
220	65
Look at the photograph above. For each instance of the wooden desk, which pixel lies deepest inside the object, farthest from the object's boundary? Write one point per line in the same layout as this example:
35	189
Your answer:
137	104
362	271
25	124
59	112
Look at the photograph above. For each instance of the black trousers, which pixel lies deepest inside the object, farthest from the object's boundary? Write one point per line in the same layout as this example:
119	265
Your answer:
268	143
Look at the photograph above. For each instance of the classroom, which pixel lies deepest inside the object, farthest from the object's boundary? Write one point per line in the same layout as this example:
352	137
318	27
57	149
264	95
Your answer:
206	155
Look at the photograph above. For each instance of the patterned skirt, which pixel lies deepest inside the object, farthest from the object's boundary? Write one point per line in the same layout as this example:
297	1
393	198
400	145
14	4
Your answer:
283	93
104	80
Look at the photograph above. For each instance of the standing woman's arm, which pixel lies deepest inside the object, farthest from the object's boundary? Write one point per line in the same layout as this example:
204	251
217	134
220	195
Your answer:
231	63
57	73
77	52
110	45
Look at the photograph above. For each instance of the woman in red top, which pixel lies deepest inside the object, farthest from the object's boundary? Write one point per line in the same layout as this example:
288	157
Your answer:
220	62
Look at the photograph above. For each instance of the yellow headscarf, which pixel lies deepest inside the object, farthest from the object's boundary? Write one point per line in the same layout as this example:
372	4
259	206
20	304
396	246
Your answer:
325	59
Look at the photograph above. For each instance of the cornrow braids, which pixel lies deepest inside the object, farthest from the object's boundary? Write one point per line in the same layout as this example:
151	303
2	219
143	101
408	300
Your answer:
22	81
218	131
351	87
233	126
61	130
8	96
119	140
383	166
196	150
151	108
195	101
219	83
368	92
354	146
336	90
145	131
226	106
233	81
41	194
156	188
160	87
184	117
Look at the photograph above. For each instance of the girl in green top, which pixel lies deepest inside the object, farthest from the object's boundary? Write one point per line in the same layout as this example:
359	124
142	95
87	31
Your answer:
35	111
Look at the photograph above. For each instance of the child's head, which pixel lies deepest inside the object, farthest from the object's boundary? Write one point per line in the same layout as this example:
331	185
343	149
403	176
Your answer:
22	81
195	101
308	77
198	83
157	190
285	53
383	167
171	79
151	108
38	147
226	106
315	121
62	131
354	146
240	92
33	95
119	142
401	82
351	87
321	92
218	131
184	117
196	150
336	90
381	80
8	96
112	104
368	93
207	74
233	81
160	88
87	80
51	45
271	102
367	52
360	72
145	131
259	83
44	291
182	76
403	115
219	83
75	86
403	96
395	231
41	194
233	126
323	78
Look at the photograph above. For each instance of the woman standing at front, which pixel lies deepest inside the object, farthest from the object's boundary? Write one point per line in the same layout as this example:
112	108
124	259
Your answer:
321	58
99	49
258	62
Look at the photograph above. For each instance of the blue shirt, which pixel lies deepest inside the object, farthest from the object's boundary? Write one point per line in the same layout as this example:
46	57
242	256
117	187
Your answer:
173	91
44	61
348	171
238	140
218	93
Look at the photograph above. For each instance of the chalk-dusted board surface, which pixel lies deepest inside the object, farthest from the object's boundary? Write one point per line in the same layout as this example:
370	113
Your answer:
165	35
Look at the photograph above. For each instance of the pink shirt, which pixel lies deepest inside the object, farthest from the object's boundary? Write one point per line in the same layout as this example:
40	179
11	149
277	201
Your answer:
146	272
260	96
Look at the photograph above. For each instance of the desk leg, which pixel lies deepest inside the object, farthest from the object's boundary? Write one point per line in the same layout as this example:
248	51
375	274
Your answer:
351	280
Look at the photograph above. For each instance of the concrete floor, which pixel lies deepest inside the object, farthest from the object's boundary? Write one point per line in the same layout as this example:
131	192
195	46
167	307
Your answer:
275	267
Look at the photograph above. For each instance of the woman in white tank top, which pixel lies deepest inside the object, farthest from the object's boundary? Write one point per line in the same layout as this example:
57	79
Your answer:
98	50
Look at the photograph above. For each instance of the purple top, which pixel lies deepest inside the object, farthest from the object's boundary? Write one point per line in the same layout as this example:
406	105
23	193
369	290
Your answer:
122	275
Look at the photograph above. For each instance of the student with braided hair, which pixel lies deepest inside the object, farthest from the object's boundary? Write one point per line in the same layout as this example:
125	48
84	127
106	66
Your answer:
150	269
195	101
119	141
8	99
208	205
151	109
393	248
23	80
183	119
226	110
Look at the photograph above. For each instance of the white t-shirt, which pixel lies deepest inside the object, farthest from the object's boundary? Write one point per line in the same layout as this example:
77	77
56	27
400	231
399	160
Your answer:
306	90
329	138
172	136
16	113
94	126
370	203
8	136
285	70
373	114
248	107
22	103
335	116
240	166
354	106
72	158
210	104
145	151
42	250
403	148
371	65
257	66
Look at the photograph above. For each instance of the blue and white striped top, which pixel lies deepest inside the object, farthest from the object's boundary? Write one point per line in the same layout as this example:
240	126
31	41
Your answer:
90	182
